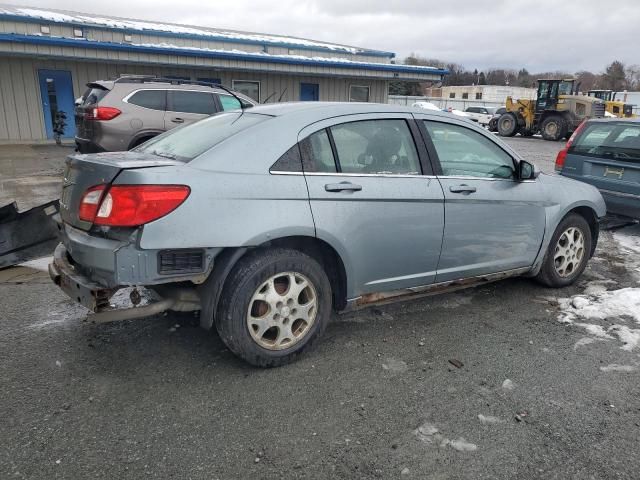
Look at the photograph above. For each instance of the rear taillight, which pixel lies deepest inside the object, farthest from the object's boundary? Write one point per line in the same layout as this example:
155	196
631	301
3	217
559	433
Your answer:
102	113
561	158
562	154
130	205
90	203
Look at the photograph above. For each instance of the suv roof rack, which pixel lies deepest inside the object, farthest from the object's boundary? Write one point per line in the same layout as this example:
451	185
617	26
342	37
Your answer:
153	78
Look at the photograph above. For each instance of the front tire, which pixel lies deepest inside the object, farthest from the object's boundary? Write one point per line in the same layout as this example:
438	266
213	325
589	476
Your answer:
567	254
507	125
275	305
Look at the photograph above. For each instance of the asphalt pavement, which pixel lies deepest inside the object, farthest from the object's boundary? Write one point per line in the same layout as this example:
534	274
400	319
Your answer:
486	383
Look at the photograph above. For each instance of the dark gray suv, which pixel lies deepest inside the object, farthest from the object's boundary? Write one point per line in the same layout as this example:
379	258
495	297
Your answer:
116	115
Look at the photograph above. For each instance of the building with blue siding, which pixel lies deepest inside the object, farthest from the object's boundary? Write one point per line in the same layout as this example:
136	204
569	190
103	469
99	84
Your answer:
48	56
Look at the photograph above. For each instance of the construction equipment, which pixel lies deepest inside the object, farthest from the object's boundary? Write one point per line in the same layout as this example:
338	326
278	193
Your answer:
613	106
555	113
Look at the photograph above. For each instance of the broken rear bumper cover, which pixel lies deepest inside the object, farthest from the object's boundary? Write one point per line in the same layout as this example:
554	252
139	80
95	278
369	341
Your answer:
96	298
81	289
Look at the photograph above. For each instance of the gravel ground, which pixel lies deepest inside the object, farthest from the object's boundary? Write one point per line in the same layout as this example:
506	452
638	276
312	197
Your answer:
483	383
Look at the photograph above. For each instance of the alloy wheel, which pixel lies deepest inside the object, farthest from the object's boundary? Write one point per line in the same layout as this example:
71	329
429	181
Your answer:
282	310
569	252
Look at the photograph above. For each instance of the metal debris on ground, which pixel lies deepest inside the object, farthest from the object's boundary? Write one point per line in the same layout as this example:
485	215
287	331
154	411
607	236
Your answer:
456	363
27	235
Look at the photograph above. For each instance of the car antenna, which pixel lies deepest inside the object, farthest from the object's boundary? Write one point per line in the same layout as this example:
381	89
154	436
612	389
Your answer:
233	94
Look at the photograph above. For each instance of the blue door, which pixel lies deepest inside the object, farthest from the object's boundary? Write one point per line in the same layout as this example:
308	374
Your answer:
56	92
309	92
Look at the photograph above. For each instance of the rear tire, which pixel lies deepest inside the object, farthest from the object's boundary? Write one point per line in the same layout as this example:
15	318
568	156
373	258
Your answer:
553	128
274	306
507	125
567	254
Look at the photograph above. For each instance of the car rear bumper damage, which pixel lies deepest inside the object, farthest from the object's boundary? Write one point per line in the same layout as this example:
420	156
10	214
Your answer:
96	298
91	269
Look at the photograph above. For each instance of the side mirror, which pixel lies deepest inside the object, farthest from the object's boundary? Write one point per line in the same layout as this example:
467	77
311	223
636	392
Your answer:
526	171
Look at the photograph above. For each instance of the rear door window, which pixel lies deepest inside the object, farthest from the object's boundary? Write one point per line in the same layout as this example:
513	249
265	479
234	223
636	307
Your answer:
382	147
617	141
317	155
192	102
152	99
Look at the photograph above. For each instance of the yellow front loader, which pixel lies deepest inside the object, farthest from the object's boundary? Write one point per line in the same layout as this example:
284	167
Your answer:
555	113
613	106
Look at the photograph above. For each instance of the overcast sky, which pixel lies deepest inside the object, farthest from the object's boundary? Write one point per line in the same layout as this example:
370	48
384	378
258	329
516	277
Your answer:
539	35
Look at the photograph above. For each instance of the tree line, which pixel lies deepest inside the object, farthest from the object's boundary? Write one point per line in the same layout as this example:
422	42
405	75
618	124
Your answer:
616	76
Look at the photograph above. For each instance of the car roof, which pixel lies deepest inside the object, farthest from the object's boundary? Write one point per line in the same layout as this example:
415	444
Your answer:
321	110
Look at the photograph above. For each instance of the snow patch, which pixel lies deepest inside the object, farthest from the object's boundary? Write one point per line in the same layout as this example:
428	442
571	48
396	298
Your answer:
614	367
614	303
508	385
489	420
150	27
41	264
395	366
429	433
620	305
583	341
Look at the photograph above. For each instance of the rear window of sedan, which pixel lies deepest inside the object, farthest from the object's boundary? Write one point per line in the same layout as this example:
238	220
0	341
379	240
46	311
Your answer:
615	140
188	142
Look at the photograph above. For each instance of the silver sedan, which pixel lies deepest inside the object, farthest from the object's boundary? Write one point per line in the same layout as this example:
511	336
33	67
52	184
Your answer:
269	219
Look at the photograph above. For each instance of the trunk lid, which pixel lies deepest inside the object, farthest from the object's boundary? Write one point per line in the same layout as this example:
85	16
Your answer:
605	173
85	171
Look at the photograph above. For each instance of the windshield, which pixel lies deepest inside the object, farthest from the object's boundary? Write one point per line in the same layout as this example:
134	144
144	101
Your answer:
186	143
619	141
565	88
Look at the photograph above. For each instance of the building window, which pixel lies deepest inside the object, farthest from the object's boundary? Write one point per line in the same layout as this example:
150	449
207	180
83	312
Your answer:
45	30
452	95
128	37
358	93
77	32
478	95
465	96
250	88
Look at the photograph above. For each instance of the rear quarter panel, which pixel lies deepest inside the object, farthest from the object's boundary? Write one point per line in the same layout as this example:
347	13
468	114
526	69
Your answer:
234	200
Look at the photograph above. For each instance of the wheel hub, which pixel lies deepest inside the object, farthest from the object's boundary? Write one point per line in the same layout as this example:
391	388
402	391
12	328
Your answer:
569	252
282	310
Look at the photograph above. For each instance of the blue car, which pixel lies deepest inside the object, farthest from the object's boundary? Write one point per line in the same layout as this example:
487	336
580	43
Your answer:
606	154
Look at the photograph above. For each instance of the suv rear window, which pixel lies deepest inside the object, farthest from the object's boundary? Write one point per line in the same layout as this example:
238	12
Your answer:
93	95
186	143
616	140
153	99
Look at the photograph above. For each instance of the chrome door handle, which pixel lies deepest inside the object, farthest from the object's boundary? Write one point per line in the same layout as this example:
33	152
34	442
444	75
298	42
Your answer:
462	189
342	187
177	120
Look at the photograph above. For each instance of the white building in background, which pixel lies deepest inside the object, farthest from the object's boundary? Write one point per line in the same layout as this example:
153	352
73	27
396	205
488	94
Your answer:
487	93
